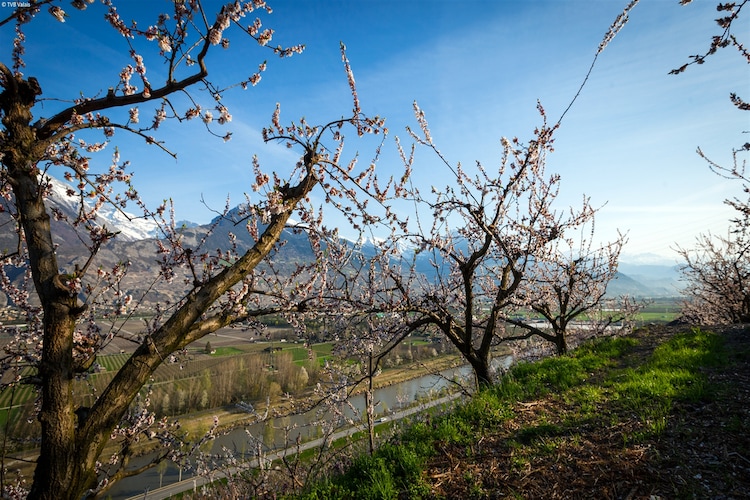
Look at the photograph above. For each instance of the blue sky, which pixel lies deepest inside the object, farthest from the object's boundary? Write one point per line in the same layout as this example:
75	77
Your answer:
477	69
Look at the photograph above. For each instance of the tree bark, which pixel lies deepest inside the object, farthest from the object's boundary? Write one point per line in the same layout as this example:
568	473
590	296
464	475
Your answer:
561	343
481	366
21	151
53	475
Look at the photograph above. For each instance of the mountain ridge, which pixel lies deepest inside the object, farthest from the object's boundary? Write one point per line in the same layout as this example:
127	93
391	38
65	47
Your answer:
136	244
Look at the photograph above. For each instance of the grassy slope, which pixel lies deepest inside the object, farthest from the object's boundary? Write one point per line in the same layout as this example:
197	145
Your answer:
659	414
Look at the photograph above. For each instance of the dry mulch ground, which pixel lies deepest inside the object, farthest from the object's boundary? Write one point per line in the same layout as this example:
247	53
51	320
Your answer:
703	452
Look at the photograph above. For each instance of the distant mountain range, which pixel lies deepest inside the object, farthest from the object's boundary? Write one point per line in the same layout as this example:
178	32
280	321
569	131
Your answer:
135	243
646	281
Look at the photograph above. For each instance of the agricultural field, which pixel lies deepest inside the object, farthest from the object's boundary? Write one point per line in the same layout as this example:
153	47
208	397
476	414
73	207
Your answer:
234	351
659	311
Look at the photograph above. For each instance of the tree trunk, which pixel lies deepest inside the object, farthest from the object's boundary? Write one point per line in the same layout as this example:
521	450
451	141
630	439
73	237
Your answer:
54	478
481	366
370	406
745	309
561	343
479	359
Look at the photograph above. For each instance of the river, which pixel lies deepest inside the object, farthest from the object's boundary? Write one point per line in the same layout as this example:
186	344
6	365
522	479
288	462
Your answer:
388	400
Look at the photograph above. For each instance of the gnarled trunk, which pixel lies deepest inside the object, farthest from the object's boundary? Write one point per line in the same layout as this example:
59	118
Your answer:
481	367
561	343
54	477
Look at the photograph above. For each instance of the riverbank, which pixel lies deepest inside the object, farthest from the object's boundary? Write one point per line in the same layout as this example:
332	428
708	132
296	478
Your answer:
230	417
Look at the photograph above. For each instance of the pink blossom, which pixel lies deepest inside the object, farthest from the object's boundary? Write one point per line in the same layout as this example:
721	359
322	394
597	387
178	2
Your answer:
152	33
58	13
125	76
159	117
214	36
114	19
224	116
140	68
192	113
164	44
81	4
265	37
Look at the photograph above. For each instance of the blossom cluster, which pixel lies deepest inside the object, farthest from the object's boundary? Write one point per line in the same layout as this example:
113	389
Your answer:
616	26
114	19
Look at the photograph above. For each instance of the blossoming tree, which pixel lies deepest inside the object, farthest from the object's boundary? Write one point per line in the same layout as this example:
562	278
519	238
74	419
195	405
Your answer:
717	269
488	231
569	285
717	276
62	339
482	243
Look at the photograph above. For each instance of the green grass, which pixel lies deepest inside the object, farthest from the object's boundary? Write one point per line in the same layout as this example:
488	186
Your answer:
532	380
596	385
298	354
226	351
394	471
673	373
322	352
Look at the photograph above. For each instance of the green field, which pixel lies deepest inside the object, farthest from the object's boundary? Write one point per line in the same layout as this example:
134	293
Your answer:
301	355
226	351
656	317
659	310
113	362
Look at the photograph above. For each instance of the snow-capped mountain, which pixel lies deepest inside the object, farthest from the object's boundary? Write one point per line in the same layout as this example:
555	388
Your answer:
370	244
131	227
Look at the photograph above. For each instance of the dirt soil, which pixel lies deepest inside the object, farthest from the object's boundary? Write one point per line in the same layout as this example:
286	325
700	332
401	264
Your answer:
703	453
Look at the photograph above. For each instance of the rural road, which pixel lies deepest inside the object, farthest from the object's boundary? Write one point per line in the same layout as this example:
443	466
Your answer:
198	481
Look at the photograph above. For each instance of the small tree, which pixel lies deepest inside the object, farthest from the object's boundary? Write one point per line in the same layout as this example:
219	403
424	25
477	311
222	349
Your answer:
472	263
569	284
208	349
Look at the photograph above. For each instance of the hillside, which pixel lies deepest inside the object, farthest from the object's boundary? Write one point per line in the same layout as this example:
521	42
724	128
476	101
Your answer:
697	448
650	280
663	413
